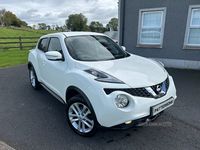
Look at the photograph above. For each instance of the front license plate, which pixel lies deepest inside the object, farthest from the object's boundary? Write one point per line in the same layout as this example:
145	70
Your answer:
162	106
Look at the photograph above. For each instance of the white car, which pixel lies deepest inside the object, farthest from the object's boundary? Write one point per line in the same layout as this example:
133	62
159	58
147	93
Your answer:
102	85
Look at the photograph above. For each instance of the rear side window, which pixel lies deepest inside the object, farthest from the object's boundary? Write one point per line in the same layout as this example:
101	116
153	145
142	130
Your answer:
42	44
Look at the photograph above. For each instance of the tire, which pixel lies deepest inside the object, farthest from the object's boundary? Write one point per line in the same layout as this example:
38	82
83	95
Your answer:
80	117
33	79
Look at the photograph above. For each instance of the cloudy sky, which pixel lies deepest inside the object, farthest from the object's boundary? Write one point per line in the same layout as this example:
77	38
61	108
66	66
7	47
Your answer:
57	11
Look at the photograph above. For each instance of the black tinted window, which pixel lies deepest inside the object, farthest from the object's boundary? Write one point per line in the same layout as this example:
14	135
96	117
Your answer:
42	44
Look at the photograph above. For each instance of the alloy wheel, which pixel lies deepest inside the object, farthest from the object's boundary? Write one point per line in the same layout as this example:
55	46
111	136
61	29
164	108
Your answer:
80	117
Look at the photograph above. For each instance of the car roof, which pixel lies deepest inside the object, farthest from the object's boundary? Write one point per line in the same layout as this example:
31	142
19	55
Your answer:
68	34
80	33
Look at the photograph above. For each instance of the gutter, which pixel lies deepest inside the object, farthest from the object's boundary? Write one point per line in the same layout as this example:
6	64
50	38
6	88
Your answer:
121	16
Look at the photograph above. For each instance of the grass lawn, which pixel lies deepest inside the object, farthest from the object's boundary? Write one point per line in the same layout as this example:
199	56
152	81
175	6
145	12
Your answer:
13	57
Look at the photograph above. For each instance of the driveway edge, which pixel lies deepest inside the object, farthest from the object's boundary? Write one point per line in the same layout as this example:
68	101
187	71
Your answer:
4	146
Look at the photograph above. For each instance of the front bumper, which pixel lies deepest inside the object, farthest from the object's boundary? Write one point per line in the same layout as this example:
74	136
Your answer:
134	123
109	115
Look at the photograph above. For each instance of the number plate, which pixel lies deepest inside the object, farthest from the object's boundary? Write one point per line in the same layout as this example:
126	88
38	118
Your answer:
162	106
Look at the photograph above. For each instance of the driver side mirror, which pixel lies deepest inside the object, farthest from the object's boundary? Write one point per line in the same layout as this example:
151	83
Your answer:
53	55
124	48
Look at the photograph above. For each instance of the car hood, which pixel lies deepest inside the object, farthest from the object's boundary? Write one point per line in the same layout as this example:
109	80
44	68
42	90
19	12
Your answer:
134	70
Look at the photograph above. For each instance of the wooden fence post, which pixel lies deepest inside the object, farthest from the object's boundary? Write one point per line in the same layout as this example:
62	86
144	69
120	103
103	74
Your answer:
20	42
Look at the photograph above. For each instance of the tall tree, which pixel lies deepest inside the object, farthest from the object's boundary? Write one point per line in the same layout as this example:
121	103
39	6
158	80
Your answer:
7	18
76	22
2	17
12	20
96	27
113	24
42	26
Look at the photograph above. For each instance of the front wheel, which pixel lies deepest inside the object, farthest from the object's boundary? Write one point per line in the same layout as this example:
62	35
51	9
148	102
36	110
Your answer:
80	117
33	79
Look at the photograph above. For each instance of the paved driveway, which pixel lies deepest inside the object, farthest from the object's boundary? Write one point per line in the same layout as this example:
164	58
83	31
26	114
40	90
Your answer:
31	120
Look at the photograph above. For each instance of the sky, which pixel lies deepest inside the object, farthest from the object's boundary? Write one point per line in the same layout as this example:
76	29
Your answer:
55	12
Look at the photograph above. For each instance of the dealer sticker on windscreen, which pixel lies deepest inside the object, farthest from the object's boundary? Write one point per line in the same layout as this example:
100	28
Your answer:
162	106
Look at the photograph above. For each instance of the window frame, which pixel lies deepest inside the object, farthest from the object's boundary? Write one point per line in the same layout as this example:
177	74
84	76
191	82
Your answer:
188	26
140	27
46	45
49	40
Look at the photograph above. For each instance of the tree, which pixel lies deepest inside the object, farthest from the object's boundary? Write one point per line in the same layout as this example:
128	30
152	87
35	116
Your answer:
48	27
76	22
7	18
2	17
113	24
42	26
23	23
65	28
57	28
96	27
12	20
53	26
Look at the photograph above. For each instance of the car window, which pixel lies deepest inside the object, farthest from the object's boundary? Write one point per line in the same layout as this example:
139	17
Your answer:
42	44
54	45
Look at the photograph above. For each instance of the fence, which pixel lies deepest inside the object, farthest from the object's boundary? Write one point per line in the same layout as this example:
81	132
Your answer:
20	42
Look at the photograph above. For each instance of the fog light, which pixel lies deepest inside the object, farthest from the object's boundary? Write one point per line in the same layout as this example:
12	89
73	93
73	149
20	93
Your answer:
128	122
121	101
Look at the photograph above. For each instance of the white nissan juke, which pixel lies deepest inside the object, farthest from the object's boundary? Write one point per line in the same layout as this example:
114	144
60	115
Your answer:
102	85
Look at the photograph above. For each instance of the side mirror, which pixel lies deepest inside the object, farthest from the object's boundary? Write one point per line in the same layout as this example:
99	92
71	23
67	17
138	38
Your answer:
124	48
53	55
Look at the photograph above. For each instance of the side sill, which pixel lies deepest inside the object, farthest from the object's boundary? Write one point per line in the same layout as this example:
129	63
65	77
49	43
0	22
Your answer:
54	94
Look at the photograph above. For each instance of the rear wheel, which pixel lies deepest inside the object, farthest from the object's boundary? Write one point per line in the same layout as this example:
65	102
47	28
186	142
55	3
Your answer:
80	117
33	79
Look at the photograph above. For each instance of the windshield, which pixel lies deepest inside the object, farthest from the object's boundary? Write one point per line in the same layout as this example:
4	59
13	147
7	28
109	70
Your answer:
94	48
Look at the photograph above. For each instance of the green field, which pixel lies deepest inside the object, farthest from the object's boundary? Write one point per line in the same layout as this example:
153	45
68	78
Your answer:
15	56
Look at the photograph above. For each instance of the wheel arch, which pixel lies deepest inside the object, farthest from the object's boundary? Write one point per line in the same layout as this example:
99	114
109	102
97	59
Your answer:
30	65
72	91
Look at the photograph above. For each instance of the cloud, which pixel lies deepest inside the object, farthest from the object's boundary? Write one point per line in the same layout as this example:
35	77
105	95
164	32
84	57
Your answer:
98	14
47	14
64	14
56	12
91	1
28	14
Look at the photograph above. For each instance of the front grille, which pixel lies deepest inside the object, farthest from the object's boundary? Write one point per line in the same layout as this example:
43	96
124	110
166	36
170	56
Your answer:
141	92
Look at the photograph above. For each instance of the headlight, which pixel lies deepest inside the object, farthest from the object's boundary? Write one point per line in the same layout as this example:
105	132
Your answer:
102	76
121	101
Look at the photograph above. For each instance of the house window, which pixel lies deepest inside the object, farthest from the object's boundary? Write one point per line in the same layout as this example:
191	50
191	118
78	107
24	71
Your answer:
151	27
192	34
